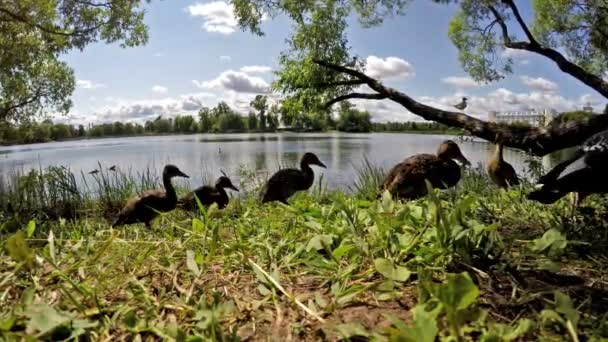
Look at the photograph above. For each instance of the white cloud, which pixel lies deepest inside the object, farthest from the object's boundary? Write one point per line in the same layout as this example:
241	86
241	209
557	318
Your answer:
461	82
253	69
218	16
539	83
225	58
160	89
520	56
87	84
146	109
479	106
237	81
391	67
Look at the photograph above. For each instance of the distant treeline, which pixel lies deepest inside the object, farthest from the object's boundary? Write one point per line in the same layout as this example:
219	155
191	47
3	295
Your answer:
219	119
409	126
223	119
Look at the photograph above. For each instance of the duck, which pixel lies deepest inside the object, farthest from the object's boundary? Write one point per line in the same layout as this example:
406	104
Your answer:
112	168
462	105
284	183
208	195
584	173
406	179
147	206
502	173
94	172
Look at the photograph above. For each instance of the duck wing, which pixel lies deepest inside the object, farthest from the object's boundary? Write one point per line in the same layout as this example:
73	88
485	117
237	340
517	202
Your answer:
406	179
285	183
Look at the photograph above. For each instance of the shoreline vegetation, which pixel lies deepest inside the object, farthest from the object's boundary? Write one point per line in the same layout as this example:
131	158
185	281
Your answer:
220	119
471	263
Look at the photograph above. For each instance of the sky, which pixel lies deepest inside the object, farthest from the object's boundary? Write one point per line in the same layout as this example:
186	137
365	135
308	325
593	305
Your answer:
197	56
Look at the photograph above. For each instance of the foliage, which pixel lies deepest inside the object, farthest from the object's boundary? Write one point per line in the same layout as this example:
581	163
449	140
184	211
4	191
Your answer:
577	115
464	264
412	126
35	33
318	68
324	257
353	120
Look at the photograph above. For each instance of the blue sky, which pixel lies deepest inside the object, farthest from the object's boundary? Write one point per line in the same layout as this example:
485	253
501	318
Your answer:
197	57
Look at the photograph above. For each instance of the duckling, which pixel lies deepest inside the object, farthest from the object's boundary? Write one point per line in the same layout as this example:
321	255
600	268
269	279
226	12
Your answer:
501	172
146	207
584	173
286	182
112	168
208	195
406	179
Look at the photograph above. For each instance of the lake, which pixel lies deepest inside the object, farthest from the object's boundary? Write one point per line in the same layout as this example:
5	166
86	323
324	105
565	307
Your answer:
205	154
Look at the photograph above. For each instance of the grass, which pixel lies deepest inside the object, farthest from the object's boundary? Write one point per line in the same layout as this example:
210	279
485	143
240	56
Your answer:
471	263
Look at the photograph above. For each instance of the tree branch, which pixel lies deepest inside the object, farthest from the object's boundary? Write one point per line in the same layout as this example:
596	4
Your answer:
332	84
355	96
5	111
521	22
593	81
536	140
48	30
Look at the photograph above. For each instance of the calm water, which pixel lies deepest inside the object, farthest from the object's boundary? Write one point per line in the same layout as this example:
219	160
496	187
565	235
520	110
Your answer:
199	155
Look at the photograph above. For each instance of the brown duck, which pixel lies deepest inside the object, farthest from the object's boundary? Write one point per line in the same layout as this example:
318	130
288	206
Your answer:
406	179
146	207
286	182
501	172
208	195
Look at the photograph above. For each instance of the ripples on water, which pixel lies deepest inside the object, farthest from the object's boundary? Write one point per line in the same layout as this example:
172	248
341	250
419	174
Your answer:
199	155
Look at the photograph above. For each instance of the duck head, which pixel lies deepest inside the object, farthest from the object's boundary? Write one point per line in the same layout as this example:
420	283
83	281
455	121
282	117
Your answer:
225	183
311	159
449	150
172	171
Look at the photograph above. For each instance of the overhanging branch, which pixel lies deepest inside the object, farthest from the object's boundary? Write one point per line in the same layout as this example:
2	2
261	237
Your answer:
536	140
591	80
355	96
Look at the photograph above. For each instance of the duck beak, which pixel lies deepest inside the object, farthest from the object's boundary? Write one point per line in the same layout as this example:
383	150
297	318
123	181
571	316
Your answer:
321	164
233	188
181	174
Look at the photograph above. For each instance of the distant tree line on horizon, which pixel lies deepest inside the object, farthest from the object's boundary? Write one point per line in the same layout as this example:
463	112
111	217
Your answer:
223	119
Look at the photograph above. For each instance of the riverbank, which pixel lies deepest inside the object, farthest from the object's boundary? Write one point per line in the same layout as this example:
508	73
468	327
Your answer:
429	132
474	263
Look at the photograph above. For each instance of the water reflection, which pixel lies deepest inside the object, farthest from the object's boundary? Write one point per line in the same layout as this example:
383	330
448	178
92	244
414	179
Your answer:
198	155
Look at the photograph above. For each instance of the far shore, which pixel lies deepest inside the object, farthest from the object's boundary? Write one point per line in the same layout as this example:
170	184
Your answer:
426	132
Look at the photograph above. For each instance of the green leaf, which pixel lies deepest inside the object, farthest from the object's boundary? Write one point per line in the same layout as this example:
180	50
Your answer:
43	319
523	326
458	292
564	305
191	263
391	271
6	323
130	319
424	327
552	242
319	242
18	249
342	250
550	315
31	228
351	329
